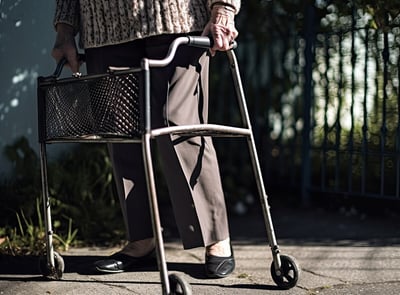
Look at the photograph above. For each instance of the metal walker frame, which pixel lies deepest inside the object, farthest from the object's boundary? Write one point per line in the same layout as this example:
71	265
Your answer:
284	269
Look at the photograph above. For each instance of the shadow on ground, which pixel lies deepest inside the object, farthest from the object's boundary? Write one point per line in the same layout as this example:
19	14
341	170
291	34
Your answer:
326	225
293	226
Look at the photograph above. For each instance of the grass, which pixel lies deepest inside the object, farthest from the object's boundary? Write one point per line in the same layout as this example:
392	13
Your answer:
84	208
29	237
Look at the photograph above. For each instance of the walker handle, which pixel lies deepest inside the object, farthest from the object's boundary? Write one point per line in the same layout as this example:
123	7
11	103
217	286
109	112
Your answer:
205	41
201	41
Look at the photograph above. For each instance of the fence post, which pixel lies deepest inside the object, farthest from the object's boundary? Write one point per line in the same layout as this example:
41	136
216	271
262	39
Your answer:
309	35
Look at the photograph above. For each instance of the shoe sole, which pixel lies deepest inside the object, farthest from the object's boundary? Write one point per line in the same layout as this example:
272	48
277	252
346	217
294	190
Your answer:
215	276
109	271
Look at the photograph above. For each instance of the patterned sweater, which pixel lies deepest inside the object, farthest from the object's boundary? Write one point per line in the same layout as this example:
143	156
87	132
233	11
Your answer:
107	22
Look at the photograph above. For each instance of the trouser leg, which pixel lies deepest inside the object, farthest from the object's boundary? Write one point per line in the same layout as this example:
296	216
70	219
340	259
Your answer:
179	96
190	165
127	160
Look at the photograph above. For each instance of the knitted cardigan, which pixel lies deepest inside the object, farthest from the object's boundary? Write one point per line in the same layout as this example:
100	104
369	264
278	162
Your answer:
109	22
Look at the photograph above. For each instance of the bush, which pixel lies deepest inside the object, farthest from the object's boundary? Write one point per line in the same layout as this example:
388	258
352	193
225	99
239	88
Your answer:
84	206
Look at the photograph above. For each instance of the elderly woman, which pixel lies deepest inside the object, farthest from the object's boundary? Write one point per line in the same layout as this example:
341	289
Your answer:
121	33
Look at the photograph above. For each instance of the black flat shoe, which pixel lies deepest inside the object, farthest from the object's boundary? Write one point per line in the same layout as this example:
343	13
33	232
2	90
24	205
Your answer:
120	262
219	267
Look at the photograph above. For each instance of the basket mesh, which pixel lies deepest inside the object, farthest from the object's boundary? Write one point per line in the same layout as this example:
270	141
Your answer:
107	106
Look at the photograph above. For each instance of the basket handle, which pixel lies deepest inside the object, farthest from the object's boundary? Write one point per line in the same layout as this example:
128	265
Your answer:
63	62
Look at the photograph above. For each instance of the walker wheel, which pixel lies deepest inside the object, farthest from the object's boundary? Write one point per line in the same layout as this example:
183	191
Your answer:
50	272
178	285
288	274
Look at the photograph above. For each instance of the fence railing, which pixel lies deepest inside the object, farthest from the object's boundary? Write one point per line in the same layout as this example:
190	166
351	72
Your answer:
354	134
325	103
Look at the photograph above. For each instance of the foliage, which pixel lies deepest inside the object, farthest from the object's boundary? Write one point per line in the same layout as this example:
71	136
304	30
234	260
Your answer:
29	238
381	11
26	238
84	209
22	187
261	19
81	184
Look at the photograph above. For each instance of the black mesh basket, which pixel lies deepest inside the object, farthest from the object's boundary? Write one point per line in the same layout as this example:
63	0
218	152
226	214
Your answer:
101	106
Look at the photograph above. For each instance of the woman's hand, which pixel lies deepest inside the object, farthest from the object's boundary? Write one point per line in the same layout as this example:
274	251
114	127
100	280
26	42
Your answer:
65	47
222	27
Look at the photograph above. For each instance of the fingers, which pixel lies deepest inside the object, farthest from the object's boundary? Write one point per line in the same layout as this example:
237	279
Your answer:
207	32
223	37
73	62
222	27
72	59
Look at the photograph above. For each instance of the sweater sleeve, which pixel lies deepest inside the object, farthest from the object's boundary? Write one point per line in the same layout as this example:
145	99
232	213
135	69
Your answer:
234	3
67	12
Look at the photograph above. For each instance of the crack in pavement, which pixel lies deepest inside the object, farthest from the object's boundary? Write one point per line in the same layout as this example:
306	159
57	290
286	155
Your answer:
323	276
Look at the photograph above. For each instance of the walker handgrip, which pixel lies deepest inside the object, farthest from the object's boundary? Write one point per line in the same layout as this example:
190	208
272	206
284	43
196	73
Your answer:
201	41
206	42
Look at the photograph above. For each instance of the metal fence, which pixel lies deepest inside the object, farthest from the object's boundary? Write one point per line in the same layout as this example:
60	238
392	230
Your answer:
325	103
355	128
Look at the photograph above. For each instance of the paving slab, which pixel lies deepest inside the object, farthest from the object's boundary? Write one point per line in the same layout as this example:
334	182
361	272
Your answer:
337	254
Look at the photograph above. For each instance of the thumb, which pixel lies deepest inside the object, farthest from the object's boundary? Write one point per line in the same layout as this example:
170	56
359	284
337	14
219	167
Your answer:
208	32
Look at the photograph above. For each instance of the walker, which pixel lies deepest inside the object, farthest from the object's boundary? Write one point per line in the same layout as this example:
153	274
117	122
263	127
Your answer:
115	107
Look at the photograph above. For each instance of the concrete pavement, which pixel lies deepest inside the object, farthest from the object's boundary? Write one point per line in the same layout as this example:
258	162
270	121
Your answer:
338	252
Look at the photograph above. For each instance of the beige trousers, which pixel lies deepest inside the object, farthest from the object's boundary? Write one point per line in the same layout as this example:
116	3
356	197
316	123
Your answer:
179	96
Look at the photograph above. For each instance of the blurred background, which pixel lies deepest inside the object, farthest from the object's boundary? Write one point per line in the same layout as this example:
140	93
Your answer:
322	85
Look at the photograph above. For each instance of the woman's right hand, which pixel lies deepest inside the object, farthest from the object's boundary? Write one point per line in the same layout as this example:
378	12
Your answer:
65	47
222	27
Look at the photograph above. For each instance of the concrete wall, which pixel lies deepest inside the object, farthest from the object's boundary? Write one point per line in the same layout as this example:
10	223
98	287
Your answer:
26	39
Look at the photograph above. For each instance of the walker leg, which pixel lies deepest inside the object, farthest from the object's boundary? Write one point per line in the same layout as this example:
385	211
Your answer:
53	265
253	155
46	207
161	261
284	269
264	204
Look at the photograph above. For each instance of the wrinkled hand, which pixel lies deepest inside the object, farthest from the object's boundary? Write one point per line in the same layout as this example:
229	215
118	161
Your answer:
65	47
222	28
